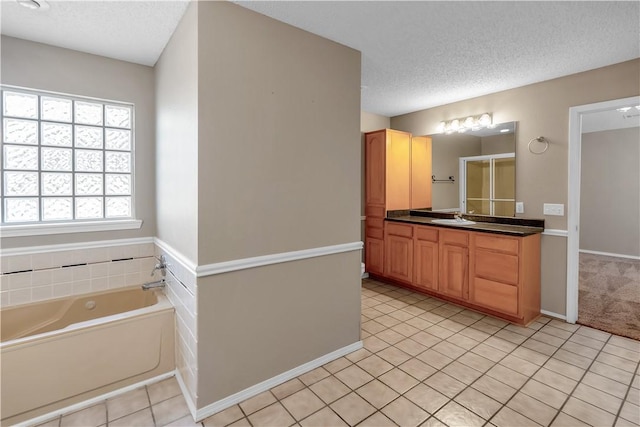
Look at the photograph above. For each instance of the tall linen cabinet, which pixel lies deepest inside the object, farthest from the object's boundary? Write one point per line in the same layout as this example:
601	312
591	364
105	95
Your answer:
397	177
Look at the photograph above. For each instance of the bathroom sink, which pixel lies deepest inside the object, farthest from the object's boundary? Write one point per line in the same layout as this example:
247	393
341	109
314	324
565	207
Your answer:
453	221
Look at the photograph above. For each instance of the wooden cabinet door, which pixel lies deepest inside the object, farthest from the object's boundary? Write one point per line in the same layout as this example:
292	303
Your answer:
399	258
375	165
426	264
421	171
454	277
374	256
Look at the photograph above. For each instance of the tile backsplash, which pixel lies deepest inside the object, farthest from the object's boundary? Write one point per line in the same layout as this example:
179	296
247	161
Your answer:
53	274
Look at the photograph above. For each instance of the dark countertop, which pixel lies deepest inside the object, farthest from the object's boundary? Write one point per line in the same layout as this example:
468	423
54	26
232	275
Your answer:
497	225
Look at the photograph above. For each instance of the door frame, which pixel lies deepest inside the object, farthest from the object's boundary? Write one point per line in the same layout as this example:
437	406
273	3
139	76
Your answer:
573	206
462	166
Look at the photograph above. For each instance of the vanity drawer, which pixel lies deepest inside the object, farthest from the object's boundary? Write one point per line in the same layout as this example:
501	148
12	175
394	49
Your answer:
497	243
374	222
429	234
496	266
494	295
399	230
456	238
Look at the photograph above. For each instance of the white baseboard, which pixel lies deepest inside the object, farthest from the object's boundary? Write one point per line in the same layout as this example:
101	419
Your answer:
555	315
555	232
254	390
585	251
89	402
187	396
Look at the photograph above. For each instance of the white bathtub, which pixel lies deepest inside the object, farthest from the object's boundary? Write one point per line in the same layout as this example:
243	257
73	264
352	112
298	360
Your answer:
60	352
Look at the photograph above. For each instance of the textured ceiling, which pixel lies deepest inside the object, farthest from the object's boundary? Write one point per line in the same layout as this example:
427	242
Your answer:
415	54
421	54
134	31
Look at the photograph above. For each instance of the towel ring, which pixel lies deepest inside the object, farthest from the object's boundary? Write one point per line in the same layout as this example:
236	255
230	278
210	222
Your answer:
539	139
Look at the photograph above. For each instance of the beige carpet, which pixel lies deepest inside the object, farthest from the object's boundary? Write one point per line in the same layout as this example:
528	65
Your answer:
609	297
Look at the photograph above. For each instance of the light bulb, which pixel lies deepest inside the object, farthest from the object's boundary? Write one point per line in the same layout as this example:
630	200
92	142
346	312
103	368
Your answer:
484	120
469	122
455	124
442	126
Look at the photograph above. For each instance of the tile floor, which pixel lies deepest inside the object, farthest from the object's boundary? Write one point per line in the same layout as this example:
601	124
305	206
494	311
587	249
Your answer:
429	363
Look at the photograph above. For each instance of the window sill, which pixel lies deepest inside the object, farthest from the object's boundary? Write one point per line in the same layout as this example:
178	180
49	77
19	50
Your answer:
68	227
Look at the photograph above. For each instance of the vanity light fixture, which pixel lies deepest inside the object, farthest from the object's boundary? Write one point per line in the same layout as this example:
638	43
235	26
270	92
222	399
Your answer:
464	124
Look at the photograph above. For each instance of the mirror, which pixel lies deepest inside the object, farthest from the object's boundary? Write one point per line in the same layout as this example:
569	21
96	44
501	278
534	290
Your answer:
483	182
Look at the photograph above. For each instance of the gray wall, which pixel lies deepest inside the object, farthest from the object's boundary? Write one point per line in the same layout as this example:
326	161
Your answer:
40	66
610	192
177	138
539	109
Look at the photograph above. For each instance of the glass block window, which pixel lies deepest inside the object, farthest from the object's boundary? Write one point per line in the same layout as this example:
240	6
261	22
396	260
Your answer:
65	158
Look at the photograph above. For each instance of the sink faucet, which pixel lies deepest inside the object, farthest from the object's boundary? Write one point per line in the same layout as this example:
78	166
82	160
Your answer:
160	265
457	216
152	285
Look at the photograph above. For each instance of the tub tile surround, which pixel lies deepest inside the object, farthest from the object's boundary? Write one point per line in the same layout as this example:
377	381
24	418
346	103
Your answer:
41	273
430	363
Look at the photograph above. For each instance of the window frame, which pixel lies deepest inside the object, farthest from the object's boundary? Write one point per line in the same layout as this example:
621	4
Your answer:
40	227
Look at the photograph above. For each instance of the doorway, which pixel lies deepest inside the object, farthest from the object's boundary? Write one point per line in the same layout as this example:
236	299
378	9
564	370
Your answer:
577	117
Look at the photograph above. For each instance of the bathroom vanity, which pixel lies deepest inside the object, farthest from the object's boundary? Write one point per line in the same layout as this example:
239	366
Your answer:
487	263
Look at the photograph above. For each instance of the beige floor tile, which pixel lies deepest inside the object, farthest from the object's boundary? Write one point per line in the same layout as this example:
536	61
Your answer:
373	344
532	408
406	330
329	389
387	321
287	389
621	422
439	332
449	349
224	418
390	336
427	398
433	422
627	343
519	365
353	376
377	393
373	327
462	341
257	402
500	344
548	339
452	325
186	421
163	390
611	372
127	403
394	355
375	365
485	327
478	403
445	384
521	330
342	362
435	359
314	376
507	376
323	418
563	368
597	398
302	404
540	347
419	323
377	420
572	358
507	417
358	355
631	412
633	396
95	415
593	333
242	422
411	347
512	337
530	356
494	388
141	418
489	352
405	413
426	339
169	410
632	355
417	369
599	382
476	362
272	415
456	415
559	382
588	413
544	393
462	372
398	380
550	329
431	317
564	420
352	408
580	349
474	334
